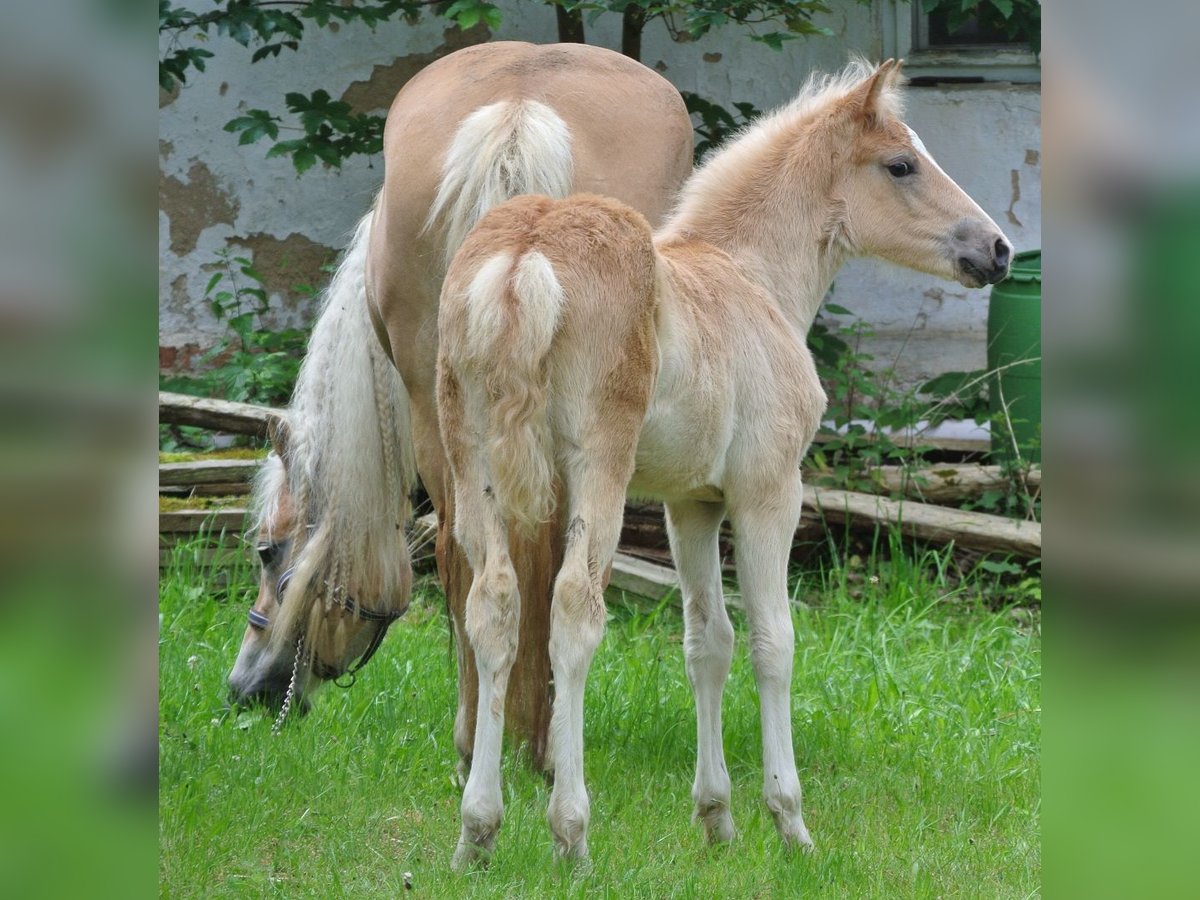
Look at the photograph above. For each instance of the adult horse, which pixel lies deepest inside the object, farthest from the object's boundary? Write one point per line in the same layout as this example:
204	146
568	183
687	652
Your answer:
583	355
471	130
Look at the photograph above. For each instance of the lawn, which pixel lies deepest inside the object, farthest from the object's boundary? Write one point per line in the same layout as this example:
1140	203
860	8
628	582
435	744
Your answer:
916	710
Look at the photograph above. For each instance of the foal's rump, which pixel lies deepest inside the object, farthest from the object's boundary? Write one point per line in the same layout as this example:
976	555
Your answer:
546	338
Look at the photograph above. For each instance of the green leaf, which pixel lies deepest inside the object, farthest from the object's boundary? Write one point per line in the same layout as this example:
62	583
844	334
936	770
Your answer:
303	159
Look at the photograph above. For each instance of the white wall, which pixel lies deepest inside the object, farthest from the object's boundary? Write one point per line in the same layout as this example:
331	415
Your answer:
214	193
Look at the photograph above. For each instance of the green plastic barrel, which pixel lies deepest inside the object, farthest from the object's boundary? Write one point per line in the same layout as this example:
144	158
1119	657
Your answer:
1015	358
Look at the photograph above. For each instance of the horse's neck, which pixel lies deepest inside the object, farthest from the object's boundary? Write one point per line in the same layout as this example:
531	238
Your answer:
776	237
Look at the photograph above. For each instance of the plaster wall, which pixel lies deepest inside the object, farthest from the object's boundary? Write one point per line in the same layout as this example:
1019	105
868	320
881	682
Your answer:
214	193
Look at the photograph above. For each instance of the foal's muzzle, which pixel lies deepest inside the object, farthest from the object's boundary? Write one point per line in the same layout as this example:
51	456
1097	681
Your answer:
985	265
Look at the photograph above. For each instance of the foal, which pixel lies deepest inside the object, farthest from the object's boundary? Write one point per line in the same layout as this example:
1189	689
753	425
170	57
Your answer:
583	356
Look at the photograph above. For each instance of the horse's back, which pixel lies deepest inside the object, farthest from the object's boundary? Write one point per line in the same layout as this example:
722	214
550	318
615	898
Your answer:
630	132
630	138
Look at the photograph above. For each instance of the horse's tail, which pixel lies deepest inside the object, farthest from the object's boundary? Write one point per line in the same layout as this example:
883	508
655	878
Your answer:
513	309
501	150
348	457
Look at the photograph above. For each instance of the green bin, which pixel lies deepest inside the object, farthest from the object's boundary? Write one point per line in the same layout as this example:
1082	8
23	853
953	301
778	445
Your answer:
1015	359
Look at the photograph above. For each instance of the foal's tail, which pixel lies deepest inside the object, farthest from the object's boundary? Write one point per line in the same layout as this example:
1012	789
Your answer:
499	151
512	312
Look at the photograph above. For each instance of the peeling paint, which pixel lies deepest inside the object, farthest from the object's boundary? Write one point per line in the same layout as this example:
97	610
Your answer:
288	263
1032	157
1016	197
713	57
194	205
165	149
379	89
166	98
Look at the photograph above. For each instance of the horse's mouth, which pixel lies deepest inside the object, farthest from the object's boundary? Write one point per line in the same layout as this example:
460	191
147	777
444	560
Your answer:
268	694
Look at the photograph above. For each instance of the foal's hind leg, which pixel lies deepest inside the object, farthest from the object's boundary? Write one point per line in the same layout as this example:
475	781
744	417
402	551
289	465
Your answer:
708	650
596	501
492	617
763	529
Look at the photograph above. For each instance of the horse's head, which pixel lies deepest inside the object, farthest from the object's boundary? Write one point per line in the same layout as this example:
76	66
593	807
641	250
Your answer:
895	202
309	599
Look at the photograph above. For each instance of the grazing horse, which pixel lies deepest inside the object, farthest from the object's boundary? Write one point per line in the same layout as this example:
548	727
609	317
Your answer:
466	133
583	356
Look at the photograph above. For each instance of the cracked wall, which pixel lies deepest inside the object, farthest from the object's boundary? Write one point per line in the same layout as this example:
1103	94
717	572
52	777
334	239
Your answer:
216	194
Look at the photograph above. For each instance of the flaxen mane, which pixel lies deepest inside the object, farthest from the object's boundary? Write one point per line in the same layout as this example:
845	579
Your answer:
348	464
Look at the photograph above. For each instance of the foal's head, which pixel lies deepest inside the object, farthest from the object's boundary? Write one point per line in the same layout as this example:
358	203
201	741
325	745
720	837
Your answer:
301	603
893	201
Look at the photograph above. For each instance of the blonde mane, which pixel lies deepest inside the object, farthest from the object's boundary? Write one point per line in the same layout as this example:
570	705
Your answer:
727	167
347	467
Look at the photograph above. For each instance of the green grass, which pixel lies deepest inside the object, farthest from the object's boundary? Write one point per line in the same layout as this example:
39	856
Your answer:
917	723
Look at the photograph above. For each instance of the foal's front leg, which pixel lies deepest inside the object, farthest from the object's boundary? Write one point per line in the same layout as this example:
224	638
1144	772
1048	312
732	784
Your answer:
763	529
708	651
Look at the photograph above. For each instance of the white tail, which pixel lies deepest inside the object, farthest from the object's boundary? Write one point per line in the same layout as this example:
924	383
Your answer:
500	151
348	458
511	341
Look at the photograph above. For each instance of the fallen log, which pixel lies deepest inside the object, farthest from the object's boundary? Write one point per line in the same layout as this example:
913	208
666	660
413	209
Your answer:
938	524
218	415
942	483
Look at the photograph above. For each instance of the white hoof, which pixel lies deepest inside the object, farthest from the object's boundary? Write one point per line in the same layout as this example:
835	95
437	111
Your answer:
717	822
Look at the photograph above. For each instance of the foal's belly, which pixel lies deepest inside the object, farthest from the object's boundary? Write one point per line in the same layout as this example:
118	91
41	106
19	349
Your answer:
680	454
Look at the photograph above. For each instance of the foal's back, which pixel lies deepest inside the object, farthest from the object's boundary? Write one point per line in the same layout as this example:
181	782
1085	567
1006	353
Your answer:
599	359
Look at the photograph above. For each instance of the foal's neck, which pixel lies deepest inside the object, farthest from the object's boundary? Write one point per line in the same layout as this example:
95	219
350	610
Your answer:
775	226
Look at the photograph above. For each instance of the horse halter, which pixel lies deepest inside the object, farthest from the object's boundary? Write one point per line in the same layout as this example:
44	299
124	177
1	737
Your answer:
383	622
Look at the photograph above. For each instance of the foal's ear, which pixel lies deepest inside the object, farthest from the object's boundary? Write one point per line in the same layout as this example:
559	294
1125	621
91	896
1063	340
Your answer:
868	97
280	435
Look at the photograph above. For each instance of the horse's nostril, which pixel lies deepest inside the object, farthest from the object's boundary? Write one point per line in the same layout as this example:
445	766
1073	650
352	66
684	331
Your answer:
1002	253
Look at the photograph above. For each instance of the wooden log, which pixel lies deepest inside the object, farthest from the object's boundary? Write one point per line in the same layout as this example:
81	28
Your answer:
937	524
942	483
207	471
230	489
218	415
945	444
193	521
646	579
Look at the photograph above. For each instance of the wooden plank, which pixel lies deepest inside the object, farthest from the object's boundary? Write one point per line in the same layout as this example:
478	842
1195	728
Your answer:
218	415
207	471
193	521
643	578
937	524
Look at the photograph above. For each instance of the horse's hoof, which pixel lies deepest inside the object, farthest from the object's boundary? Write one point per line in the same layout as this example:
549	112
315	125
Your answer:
468	855
795	837
717	822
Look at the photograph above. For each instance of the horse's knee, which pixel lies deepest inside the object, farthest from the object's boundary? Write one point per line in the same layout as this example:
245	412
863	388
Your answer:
771	651
576	612
493	615
709	635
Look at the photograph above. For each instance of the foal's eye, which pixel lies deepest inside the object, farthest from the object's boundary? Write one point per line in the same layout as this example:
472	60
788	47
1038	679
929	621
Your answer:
899	169
266	553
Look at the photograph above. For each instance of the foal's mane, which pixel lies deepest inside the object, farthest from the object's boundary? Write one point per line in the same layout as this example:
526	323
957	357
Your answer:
728	164
346	466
